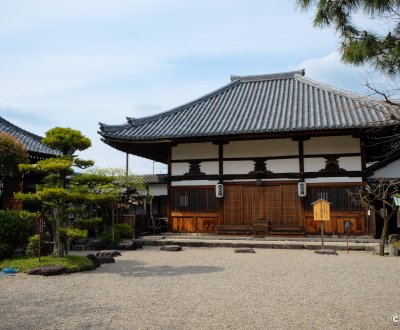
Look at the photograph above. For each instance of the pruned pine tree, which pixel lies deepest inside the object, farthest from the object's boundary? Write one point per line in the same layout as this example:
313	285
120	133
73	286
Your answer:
55	195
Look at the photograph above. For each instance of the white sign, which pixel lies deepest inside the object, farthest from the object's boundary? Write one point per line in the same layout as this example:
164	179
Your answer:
302	189
219	190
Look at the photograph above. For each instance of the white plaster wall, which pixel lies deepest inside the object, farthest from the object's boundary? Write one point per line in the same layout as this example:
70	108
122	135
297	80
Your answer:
333	180
391	170
314	164
194	183
331	145
194	151
283	165
261	148
274	165
350	163
347	163
239	167
206	167
264	180
179	168
209	167
158	189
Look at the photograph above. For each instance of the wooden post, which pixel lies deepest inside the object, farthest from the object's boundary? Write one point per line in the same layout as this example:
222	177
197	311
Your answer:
112	225
127	164
40	245
322	233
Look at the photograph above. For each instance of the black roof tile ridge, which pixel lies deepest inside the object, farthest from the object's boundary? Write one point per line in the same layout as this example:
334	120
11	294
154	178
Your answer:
32	135
143	120
35	137
269	76
104	128
343	92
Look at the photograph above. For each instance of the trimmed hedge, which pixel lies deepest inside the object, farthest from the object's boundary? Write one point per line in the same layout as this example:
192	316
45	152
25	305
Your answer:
15	229
121	231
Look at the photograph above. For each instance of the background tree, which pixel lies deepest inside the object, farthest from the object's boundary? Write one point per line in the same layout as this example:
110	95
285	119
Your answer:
115	189
12	153
378	197
362	45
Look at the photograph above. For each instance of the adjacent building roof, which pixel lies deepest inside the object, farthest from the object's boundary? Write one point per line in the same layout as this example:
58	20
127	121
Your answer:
155	178
251	105
32	142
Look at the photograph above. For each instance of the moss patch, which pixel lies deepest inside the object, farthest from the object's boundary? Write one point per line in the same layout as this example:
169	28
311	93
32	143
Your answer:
71	263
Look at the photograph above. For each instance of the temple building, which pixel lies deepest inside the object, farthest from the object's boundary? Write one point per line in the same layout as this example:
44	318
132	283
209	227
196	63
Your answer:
36	150
262	149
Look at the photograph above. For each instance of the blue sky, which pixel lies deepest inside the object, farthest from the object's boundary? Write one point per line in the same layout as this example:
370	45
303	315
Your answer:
77	63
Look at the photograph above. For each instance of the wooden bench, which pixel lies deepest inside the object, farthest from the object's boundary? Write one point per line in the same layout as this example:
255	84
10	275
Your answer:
287	230
234	229
261	228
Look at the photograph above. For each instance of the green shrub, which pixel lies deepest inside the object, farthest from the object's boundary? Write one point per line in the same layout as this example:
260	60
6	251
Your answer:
71	233
121	231
88	222
32	249
16	227
5	250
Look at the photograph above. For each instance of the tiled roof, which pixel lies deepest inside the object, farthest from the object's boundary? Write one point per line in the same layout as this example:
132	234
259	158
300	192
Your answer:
261	104
155	178
32	142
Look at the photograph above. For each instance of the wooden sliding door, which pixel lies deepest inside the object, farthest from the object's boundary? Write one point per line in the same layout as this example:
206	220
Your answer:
277	204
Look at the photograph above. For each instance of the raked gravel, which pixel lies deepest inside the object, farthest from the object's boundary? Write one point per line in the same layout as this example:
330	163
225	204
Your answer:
210	288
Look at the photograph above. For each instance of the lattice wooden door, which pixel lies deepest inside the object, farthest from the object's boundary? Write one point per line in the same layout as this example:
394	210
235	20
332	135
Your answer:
278	205
232	205
291	206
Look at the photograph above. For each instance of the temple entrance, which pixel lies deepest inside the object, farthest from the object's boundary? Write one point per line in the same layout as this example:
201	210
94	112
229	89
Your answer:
277	204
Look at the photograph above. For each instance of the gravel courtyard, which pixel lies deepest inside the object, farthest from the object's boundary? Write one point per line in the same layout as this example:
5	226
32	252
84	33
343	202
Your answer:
210	288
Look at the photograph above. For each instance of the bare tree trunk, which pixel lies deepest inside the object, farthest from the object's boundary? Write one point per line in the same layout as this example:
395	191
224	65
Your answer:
385	230
383	236
59	248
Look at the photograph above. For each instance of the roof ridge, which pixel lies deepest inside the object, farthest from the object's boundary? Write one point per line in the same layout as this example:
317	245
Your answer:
37	137
109	128
343	92
139	121
26	135
269	76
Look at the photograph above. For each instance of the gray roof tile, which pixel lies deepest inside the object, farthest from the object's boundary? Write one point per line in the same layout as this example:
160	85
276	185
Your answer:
275	103
32	142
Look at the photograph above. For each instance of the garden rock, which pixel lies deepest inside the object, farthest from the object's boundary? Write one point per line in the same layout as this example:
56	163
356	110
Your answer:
95	261
131	245
244	250
95	244
106	260
108	253
48	270
171	248
326	251
394	238
79	248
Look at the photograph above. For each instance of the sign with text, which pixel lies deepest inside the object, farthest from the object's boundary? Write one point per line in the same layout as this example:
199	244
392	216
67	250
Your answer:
219	190
302	189
40	224
321	210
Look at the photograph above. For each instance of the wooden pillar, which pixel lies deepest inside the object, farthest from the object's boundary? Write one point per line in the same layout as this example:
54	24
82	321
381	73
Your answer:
169	190
301	159
221	180
301	169
363	159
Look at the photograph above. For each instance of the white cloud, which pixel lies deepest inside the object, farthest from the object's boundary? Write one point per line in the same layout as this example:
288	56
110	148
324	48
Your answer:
330	70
